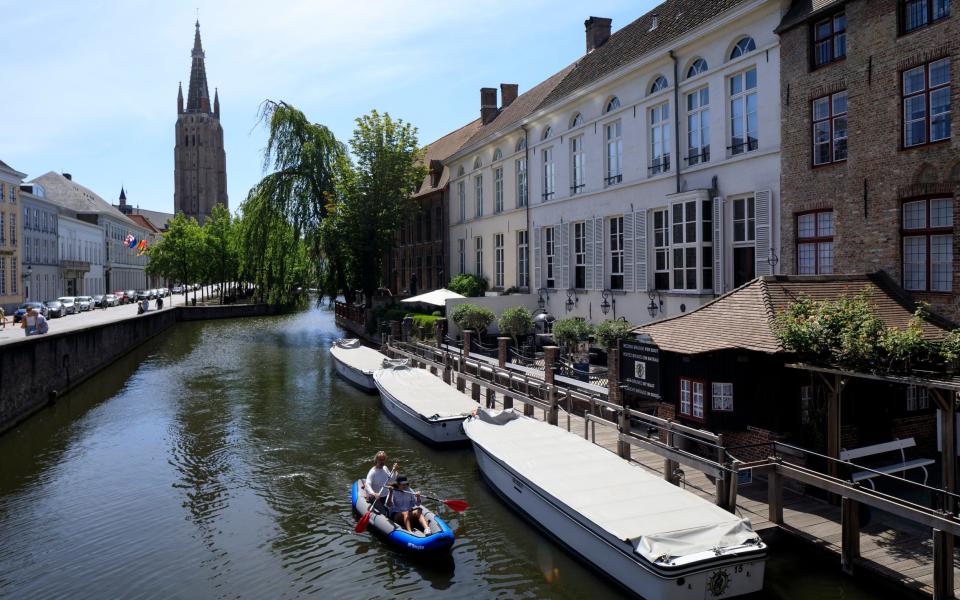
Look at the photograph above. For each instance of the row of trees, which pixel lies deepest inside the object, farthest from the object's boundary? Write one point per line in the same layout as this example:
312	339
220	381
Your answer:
323	216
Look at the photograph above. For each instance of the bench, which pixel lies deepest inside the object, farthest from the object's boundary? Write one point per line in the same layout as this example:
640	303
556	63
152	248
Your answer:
902	466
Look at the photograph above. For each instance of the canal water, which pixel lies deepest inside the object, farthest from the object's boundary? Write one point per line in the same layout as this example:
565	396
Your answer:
215	461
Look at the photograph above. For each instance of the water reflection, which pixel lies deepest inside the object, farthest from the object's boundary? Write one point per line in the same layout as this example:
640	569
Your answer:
216	460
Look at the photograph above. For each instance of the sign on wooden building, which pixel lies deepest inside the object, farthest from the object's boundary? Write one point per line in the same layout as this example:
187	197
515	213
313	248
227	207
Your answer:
640	367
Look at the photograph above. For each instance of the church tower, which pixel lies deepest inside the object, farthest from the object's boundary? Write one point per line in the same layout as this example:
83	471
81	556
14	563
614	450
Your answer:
200	164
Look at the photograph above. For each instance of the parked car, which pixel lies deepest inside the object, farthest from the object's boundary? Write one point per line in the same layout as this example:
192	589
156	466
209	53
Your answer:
121	296
54	309
177	289
131	295
143	295
84	303
22	310
98	300
111	300
69	305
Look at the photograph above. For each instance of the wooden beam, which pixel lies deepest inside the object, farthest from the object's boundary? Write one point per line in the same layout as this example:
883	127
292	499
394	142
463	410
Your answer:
850	533
948	437
775	497
942	565
676	456
833	427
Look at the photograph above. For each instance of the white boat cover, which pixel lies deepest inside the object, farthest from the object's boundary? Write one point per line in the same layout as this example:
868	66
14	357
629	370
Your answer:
357	356
661	520
436	297
424	393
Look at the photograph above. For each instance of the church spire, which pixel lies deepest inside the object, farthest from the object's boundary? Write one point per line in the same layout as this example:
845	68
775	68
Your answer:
180	98
216	103
198	95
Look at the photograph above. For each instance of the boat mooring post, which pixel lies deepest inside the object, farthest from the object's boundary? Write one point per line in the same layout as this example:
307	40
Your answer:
849	534
446	367
549	360
502	348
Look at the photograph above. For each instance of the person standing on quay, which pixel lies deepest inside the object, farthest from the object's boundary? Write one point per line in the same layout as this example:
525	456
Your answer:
3	319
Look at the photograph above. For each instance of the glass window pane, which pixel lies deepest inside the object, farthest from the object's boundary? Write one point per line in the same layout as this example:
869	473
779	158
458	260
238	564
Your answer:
805	226
940	72
751	79
941	263
824	224
821	108
736	84
914	263
914	215
839	103
825	258
941	212
913	81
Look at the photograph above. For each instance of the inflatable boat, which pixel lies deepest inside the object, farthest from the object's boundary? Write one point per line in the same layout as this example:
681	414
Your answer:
438	540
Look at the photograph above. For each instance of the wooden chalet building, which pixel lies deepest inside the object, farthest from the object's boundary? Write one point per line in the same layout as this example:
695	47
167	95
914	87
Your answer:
722	368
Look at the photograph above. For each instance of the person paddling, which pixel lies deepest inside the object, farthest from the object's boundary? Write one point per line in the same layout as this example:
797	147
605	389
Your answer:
378	477
404	505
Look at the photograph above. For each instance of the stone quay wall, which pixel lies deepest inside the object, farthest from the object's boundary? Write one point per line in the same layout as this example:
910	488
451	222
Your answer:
39	369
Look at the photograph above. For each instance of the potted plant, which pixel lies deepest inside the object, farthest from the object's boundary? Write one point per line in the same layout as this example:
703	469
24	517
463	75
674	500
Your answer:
574	335
515	322
476	318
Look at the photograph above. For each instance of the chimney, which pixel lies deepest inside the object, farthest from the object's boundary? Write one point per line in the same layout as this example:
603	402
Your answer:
68	176
508	93
488	104
598	32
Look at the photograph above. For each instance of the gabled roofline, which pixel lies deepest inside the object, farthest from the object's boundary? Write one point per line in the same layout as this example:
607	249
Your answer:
644	60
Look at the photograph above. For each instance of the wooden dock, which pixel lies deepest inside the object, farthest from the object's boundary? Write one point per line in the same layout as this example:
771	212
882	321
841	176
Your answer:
900	550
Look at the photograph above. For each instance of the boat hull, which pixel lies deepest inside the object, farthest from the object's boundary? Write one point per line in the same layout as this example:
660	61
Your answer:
355	377
439	542
446	431
724	579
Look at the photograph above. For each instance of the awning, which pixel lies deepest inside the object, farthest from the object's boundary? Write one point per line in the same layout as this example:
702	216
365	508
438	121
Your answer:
436	297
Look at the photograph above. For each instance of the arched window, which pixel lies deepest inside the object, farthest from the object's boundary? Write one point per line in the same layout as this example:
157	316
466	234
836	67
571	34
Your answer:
744	45
698	66
497	155
477	163
660	83
576	121
612	104
460	171
547	133
521	144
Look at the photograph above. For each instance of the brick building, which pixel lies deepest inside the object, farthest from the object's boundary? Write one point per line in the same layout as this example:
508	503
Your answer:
870	163
420	247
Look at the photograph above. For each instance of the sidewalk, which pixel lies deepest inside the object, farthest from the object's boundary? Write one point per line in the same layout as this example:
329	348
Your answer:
96	316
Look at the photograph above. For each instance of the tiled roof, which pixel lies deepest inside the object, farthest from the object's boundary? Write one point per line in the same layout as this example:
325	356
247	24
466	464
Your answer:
744	317
675	18
801	10
524	105
441	149
158	219
73	196
143	222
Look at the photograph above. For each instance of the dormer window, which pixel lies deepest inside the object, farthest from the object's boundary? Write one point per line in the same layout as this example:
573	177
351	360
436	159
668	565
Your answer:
477	163
576	121
743	46
461	171
521	145
547	133
497	155
659	84
612	104
698	66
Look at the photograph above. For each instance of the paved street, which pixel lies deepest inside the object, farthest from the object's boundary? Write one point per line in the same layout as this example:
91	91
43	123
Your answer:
93	317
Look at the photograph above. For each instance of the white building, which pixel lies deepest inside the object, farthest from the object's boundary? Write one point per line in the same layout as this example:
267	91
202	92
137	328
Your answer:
40	253
614	221
122	268
81	257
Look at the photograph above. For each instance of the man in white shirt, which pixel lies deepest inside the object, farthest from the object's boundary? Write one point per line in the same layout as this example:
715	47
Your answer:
378	477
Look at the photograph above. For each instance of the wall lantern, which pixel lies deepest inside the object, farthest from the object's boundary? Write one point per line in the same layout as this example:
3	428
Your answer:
608	301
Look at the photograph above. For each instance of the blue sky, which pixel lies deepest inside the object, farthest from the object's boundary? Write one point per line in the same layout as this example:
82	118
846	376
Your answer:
91	88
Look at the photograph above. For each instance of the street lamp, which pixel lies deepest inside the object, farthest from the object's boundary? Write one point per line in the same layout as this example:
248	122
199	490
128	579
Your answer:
656	303
542	298
608	301
571	299
772	260
26	282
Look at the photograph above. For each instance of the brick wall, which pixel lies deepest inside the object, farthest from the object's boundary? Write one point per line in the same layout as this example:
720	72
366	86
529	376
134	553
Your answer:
757	441
922	428
866	191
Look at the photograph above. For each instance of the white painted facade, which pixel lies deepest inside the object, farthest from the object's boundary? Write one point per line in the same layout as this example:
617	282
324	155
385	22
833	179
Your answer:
81	257
586	218
41	248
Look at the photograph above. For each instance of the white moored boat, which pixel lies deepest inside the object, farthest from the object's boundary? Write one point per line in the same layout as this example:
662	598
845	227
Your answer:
653	538
424	404
356	363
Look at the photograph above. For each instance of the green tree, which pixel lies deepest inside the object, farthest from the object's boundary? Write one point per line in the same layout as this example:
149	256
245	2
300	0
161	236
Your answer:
515	322
469	285
476	318
375	195
568	332
221	247
178	254
610	332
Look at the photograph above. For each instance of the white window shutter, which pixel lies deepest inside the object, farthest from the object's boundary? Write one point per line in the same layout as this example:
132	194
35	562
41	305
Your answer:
565	256
598	232
763	241
718	247
588	243
640	250
628	250
537	257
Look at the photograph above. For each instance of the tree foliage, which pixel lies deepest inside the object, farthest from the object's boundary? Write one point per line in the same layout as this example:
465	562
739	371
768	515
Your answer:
610	332
515	322
476	318
569	332
469	285
179	254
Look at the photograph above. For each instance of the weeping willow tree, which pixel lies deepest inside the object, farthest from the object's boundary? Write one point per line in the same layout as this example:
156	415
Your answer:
280	224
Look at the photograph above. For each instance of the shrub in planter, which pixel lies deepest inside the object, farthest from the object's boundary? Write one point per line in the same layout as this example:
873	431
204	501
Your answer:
424	325
515	322
468	285
469	316
609	333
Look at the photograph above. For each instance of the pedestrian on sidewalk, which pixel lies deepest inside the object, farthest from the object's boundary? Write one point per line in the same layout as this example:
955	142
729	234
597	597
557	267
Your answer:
3	319
159	303
29	322
42	326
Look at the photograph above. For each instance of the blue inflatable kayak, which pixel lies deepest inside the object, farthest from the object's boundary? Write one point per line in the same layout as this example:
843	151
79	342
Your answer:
438	539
